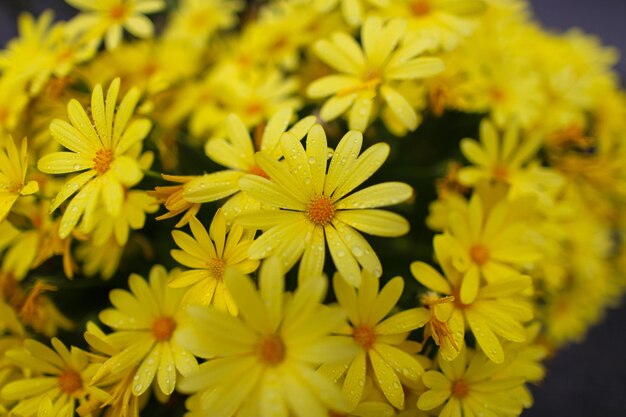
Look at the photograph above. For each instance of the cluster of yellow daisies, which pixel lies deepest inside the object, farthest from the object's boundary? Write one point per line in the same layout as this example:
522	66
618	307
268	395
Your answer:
307	208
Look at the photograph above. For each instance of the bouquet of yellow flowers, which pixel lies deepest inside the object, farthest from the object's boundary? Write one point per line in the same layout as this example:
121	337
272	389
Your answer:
302	208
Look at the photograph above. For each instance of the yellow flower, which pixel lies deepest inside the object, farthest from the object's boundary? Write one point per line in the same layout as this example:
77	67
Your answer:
447	22
499	308
101	150
467	384
148	318
43	49
236	152
211	255
370	70
13	166
13	102
197	20
100	260
132	217
379	340
60	374
308	206
171	197
108	18
488	244
264	361
508	160
353	11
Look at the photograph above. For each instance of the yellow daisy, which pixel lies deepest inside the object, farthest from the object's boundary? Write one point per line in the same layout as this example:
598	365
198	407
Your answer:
13	166
466	387
236	152
146	321
211	255
447	22
132	217
369	71
379	339
99	144
171	197
353	10
62	375
109	18
264	361
488	244
309	206
499	309
508	160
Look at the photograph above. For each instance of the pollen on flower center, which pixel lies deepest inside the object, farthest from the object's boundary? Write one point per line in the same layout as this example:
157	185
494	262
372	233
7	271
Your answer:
364	335
271	350
163	328
320	210
500	172
257	170
15	187
102	160
216	267
479	253
70	381
118	12
460	389
420	7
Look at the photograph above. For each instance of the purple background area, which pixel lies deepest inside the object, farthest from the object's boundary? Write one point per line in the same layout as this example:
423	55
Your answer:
587	380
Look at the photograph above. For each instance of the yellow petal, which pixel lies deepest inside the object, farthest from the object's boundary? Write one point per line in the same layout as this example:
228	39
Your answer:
375	222
430	278
166	375
404	321
342	257
355	380
63	162
145	374
366	165
387	380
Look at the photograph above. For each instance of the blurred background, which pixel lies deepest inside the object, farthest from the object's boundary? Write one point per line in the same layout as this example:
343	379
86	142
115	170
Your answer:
586	380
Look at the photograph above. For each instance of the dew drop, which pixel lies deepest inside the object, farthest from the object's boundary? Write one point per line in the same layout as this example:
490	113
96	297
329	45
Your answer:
357	251
311	160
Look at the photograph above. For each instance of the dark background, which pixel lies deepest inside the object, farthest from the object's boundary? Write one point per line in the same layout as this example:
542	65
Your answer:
586	380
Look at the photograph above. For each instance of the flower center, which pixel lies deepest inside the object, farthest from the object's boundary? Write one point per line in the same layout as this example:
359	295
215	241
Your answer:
118	12
460	389
163	328
271	350
70	381
14	187
256	170
364	336
216	267
420	7
102	160
479	254
500	172
320	210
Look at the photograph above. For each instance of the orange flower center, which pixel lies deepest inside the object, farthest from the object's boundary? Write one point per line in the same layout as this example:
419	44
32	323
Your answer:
254	109
70	381
421	7
102	160
118	12
500	172
256	170
479	253
216	267
364	336
320	210
460	389
163	328
271	350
